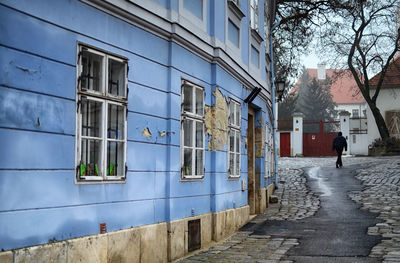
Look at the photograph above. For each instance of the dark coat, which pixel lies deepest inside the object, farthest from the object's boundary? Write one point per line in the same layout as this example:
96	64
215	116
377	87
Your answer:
339	143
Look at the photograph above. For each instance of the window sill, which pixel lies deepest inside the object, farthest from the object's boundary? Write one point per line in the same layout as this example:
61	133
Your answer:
235	10
192	179
100	180
256	36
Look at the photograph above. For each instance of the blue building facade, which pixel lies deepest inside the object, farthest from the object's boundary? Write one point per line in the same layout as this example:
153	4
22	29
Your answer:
133	114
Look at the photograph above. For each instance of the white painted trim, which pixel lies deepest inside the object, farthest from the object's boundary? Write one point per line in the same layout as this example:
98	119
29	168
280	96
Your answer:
105	100
195	118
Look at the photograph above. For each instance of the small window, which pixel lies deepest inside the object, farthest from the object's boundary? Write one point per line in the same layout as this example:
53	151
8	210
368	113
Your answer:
101	116
233	33
192	131
195	7
234	139
255	57
356	113
254	18
354	138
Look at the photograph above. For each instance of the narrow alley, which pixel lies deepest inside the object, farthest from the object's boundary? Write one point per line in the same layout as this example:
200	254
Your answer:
323	214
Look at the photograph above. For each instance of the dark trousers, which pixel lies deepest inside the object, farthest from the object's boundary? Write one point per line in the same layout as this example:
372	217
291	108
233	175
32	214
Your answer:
339	158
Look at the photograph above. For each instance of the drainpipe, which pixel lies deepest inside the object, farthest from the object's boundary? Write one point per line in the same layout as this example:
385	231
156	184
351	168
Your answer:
274	103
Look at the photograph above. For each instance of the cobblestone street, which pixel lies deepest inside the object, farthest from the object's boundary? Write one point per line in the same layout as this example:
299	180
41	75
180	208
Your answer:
381	194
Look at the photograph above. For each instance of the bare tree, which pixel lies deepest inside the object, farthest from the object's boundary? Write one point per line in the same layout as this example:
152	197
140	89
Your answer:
298	22
364	32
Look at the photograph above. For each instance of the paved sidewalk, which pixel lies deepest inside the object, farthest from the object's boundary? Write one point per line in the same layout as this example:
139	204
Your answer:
381	194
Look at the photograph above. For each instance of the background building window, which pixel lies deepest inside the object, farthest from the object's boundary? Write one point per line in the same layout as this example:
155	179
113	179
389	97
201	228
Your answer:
192	131
255	56
254	18
101	116
195	7
233	33
356	113
234	139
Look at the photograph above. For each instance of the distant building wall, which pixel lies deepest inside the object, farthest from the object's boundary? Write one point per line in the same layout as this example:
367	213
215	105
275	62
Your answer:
388	100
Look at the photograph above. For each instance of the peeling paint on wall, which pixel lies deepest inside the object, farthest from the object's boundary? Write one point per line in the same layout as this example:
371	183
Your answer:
216	121
162	134
146	133
260	141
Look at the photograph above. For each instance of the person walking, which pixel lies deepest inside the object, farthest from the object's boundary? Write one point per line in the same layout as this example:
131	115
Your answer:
338	144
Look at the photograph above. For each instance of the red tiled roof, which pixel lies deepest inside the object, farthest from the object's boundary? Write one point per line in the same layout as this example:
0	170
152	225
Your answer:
392	76
343	89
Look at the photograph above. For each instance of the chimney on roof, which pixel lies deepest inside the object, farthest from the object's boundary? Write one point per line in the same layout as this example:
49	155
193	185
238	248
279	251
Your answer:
321	71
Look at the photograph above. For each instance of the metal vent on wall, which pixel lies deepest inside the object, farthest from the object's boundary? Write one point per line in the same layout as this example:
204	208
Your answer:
194	235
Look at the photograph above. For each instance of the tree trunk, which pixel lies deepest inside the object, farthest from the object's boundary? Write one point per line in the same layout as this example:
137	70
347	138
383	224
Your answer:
379	120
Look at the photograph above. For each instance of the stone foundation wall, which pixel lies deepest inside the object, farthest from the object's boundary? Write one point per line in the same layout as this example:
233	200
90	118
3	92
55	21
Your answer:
152	243
270	191
178	235
261	203
229	221
140	244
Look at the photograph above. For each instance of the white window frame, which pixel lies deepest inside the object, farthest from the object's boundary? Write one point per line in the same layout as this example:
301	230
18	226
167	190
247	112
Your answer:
196	118
105	99
236	129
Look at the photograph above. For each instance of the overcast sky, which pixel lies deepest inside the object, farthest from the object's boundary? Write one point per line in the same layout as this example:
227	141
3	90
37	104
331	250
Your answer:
310	61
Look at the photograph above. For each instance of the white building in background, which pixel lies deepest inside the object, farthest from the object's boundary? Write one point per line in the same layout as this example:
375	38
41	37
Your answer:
388	102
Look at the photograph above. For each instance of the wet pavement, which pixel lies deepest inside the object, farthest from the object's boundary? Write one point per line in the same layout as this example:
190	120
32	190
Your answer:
324	214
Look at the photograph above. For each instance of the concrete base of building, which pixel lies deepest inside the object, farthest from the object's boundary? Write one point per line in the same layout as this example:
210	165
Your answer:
227	222
270	192
152	243
178	235
139	244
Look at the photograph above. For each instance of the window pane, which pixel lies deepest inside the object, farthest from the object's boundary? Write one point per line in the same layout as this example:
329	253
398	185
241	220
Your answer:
231	163
115	123
237	115
90	158
231	141
237	171
195	7
188	133
199	102
91	77
91	117
188	98
116	78
187	161
199	162
233	33
115	159
255	56
232	112
199	134
237	142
